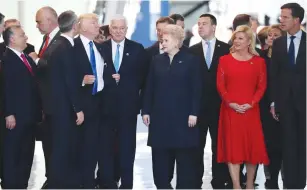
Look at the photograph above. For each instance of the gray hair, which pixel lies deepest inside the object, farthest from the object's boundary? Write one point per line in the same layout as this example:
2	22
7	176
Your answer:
176	32
67	20
8	33
118	17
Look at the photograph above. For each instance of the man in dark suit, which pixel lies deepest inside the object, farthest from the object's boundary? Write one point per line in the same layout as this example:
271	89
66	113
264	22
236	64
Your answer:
89	64
22	110
125	72
178	19
210	50
47	23
288	84
14	22
67	115
2	122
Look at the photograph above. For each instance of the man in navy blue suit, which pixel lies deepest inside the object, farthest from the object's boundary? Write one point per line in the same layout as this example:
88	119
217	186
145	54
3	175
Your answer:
124	76
90	68
22	109
67	114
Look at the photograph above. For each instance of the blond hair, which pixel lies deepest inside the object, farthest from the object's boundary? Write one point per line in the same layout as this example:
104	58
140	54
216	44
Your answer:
87	16
176	32
249	33
274	26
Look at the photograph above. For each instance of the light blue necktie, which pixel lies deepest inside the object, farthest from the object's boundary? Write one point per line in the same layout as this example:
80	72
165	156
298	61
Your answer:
116	59
208	54
93	65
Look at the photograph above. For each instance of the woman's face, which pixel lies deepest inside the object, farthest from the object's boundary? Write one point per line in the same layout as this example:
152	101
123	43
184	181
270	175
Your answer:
241	41
169	43
272	35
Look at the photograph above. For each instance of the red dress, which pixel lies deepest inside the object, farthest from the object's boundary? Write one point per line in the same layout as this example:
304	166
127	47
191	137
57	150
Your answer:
240	136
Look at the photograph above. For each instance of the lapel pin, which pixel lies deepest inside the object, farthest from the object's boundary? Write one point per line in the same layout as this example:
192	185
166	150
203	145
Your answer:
218	45
180	61
252	63
105	64
127	54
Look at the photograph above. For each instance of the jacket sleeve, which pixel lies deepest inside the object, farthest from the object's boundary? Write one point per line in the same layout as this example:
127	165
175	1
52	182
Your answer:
197	85
221	81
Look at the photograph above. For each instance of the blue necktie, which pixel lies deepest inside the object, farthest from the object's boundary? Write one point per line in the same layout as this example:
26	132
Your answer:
291	51
93	65
116	59
208	54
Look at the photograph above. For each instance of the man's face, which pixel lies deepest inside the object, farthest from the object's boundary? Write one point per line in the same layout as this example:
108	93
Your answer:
42	23
19	38
180	23
205	27
90	26
287	21
118	30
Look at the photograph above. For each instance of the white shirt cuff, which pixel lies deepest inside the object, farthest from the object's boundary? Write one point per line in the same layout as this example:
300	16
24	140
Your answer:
272	104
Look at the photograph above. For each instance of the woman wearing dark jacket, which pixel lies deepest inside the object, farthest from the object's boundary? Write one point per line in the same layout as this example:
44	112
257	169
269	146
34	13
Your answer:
171	105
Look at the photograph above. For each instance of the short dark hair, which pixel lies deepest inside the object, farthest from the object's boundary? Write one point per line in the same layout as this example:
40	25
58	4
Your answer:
296	10
1	18
176	17
8	33
105	30
67	20
212	18
241	19
165	20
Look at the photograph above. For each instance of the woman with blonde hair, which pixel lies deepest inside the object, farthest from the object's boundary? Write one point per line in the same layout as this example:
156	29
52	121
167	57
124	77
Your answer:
170	109
241	82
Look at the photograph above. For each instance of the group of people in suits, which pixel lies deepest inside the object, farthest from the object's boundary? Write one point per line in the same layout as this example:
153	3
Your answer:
83	93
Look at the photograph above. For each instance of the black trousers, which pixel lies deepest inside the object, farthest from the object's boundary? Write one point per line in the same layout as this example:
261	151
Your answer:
46	137
293	125
187	167
18	152
219	170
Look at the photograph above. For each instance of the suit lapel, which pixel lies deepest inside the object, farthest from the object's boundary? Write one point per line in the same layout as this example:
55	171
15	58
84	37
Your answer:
109	55
18	59
302	50
53	40
200	51
215	54
126	55
84	58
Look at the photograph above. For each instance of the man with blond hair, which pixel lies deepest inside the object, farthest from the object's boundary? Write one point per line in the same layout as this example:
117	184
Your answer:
124	74
89	64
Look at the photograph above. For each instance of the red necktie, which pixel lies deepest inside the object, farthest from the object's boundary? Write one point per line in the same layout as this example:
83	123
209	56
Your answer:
27	64
45	46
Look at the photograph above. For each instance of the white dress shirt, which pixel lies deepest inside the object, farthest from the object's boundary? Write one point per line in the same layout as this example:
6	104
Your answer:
121	50
205	46
16	52
99	61
296	41
70	39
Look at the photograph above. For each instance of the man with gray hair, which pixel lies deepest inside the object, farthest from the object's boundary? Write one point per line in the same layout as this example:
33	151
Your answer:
65	93
124	75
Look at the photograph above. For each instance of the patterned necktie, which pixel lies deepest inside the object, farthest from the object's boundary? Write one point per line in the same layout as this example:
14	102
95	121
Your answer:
93	65
116	59
291	51
27	64
208	54
41	53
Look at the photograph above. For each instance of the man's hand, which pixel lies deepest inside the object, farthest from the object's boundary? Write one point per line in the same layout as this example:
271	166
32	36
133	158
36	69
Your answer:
33	55
80	118
88	79
275	116
10	122
116	77
146	120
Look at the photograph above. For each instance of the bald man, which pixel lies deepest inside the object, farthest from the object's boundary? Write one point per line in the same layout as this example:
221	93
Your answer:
47	24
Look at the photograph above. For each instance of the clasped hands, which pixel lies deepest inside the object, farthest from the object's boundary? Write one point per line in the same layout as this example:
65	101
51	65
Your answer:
240	108
90	79
191	122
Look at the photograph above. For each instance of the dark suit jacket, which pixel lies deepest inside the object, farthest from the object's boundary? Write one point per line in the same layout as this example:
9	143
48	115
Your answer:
287	78
89	103
29	49
124	98
154	49
211	100
172	93
44	76
63	76
20	88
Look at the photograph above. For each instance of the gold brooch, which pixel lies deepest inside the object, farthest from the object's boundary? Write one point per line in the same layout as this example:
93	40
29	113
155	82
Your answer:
251	63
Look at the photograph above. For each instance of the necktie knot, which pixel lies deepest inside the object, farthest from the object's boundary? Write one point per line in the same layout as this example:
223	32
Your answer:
23	56
91	44
208	43
292	37
118	46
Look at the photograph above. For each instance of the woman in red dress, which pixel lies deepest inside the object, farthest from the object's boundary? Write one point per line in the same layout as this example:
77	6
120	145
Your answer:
241	82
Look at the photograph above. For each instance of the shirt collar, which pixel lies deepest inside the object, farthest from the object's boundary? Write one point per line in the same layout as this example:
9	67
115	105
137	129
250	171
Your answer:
16	52
121	44
53	33
212	41
298	35
70	39
85	40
